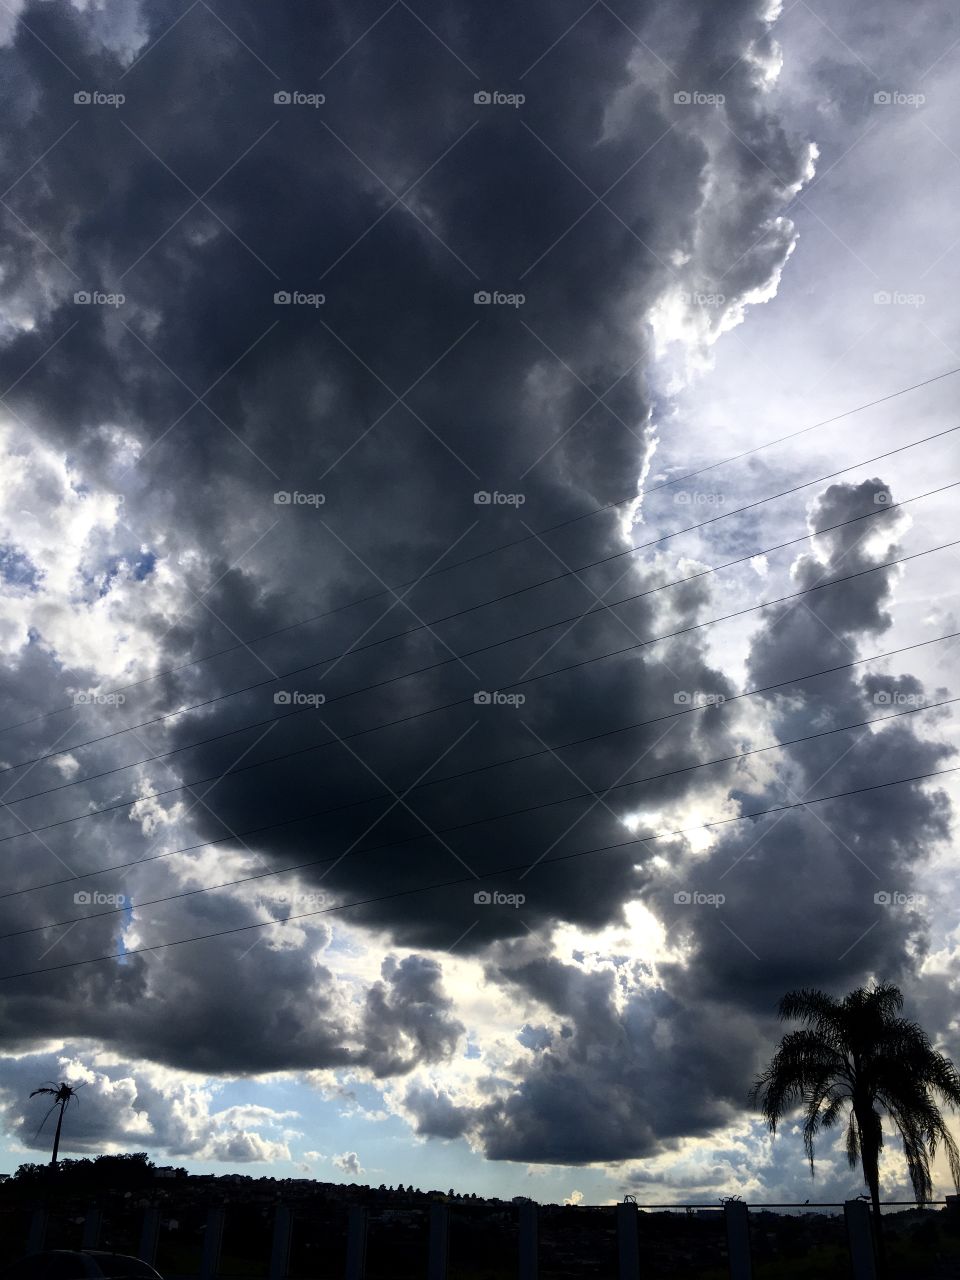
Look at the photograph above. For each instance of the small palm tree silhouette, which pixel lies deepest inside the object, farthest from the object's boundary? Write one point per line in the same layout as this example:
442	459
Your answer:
859	1053
63	1094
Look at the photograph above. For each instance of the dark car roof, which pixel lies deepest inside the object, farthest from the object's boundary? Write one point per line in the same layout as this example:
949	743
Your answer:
116	1264
90	1263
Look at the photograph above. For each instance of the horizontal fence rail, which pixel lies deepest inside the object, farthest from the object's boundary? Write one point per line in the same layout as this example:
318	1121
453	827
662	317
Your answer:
526	1220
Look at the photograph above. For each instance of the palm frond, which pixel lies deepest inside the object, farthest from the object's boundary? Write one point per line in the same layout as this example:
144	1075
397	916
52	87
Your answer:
46	1117
860	1051
853	1141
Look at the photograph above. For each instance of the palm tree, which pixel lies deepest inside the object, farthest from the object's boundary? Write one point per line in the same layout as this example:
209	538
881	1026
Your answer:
63	1094
859	1053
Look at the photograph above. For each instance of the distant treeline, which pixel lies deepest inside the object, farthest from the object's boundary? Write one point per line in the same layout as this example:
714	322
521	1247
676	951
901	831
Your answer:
130	1170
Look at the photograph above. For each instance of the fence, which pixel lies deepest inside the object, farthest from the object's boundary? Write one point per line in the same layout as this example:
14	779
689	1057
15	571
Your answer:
630	1243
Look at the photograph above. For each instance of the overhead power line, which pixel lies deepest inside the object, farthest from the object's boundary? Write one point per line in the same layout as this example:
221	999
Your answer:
496	817
516	684
401	586
471	880
306	817
601	607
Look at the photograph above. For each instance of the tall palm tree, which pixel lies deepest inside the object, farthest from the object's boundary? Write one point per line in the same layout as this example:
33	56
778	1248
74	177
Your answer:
63	1094
859	1053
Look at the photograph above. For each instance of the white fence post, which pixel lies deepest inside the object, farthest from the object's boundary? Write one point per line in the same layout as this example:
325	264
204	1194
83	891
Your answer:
38	1230
149	1234
438	1249
91	1228
212	1240
860	1239
738	1240
529	1246
280	1244
628	1244
356	1242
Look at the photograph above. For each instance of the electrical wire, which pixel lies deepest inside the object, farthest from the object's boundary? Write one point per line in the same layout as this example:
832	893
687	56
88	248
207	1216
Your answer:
684	711
447	884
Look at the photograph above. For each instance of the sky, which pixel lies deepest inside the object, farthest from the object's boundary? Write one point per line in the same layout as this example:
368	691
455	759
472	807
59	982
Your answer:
461	465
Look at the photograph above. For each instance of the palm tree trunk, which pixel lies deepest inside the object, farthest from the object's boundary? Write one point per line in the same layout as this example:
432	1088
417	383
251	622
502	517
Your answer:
56	1137
870	1160
879	1246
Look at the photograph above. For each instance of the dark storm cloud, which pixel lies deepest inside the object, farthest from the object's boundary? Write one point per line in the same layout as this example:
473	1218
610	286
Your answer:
505	399
800	904
239	1006
407	1018
436	1115
601	1092
399	299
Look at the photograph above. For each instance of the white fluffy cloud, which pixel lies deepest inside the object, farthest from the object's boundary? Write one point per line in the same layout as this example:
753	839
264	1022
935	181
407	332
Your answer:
349	1162
136	1106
